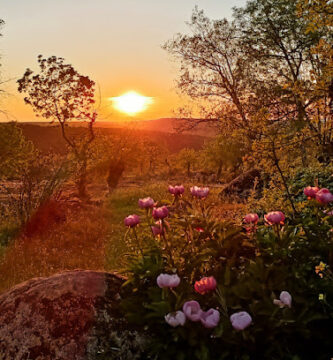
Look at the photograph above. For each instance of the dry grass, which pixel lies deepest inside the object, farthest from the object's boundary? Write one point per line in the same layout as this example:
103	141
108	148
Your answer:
76	243
57	238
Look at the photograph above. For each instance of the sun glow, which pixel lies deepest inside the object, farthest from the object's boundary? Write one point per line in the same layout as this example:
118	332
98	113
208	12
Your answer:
131	103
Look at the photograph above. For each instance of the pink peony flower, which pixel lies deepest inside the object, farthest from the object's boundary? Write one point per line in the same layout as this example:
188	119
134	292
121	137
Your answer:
192	310
132	220
176	190
157	230
175	319
285	300
210	319
198	192
275	217
146	203
311	192
251	218
205	285
169	281
160	213
240	320
324	196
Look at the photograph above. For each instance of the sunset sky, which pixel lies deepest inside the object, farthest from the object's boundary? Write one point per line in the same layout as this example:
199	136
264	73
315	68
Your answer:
117	43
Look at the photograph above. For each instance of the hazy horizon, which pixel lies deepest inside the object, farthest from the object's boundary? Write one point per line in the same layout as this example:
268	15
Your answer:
117	44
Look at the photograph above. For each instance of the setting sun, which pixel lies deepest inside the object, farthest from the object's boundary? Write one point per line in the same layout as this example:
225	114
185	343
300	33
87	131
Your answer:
131	102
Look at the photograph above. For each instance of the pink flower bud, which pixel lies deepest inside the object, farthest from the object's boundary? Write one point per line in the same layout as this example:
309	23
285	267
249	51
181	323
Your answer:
176	190
324	196
251	218
210	319
240	320
311	192
199	193
205	285
146	203
275	217
157	230
192	310
169	281
160	213
175	319
132	220
285	300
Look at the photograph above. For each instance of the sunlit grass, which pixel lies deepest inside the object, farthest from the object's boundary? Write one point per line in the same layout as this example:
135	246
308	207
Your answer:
123	202
78	243
92	238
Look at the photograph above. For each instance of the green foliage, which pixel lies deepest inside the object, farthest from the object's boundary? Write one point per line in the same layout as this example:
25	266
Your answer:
264	77
120	205
8	230
274	195
16	151
222	153
187	159
41	179
251	268
320	176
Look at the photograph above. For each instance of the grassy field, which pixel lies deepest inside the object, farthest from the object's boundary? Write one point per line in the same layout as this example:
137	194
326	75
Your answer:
91	237
121	203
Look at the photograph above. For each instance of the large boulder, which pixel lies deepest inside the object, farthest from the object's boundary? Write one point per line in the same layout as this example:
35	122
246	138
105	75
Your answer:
73	315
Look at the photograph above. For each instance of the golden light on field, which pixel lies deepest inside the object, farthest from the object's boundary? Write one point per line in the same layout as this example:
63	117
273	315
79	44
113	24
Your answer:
131	103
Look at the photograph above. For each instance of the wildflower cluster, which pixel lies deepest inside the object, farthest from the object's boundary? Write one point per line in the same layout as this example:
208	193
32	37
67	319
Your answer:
202	281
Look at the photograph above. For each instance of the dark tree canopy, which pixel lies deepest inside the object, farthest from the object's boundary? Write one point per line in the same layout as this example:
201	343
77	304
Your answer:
60	93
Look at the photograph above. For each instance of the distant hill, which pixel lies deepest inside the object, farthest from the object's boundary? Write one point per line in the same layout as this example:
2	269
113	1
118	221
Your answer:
47	137
168	125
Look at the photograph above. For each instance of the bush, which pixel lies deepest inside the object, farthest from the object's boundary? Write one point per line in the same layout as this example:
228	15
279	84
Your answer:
252	265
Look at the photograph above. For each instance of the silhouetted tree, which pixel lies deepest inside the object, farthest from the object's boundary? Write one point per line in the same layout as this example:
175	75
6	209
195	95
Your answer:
59	93
262	61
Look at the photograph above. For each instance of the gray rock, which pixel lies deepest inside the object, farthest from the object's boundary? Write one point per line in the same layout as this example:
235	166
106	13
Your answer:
73	315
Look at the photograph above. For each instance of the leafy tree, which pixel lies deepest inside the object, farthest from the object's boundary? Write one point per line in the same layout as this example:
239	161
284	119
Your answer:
187	158
59	93
260	63
112	153
154	153
280	47
222	152
15	152
212	70
266	78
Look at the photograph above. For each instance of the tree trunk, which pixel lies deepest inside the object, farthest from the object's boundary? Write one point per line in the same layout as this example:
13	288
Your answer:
219	171
82	180
116	170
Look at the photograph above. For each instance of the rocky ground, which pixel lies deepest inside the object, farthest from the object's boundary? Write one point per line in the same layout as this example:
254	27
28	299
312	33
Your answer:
73	315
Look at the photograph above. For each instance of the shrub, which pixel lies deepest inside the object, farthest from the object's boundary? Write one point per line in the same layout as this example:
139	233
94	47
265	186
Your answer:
248	292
